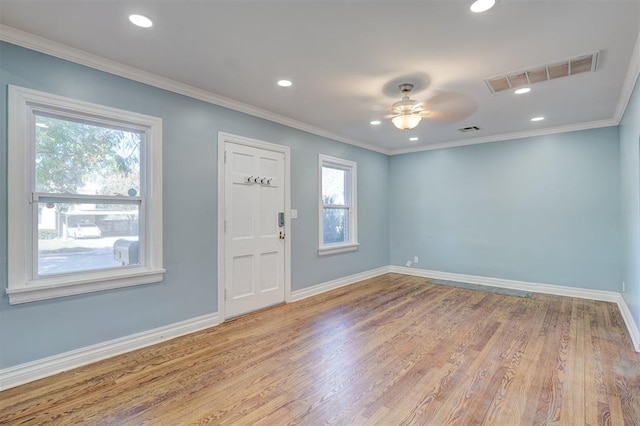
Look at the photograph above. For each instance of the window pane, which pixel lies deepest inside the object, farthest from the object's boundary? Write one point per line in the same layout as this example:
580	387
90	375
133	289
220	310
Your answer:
85	237
81	158
335	225
333	186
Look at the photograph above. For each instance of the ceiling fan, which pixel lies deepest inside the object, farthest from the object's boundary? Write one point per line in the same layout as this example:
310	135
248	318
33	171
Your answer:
407	113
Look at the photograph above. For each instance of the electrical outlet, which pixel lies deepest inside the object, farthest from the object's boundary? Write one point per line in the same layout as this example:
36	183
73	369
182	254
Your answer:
623	287
408	264
415	259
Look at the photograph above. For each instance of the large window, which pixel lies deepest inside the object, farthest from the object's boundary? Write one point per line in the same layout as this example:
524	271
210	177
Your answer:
338	217
85	197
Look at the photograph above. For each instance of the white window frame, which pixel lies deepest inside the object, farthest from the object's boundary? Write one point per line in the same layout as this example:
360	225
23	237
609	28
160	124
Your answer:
351	197
24	285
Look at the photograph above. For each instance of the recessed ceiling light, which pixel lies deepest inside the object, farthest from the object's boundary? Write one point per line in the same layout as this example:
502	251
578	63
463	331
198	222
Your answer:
413	139
482	5
284	83
522	90
375	122
537	118
141	21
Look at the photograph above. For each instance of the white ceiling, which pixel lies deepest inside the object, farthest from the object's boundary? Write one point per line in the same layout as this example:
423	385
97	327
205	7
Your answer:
346	58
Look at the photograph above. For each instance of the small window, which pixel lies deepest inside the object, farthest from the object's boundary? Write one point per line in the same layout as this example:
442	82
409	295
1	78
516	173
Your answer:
83	179
338	217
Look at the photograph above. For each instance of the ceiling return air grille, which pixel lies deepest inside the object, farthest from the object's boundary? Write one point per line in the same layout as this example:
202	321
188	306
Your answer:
566	68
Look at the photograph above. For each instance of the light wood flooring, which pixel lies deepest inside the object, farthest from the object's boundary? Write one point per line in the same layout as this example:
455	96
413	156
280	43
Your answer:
389	350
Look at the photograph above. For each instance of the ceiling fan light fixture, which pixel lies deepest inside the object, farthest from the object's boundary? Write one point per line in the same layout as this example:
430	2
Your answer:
480	6
406	121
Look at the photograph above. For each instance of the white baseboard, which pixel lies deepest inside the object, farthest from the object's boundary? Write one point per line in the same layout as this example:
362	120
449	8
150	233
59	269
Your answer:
337	283
631	324
38	369
558	290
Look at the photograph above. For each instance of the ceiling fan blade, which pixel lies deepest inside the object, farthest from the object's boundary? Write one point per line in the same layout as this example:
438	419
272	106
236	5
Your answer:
443	106
450	106
449	100
447	116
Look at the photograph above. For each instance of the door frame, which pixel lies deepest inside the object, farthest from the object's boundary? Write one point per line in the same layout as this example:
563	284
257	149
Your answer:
254	143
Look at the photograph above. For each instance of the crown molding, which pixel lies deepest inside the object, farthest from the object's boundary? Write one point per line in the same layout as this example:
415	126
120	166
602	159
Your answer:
43	45
510	136
59	50
629	82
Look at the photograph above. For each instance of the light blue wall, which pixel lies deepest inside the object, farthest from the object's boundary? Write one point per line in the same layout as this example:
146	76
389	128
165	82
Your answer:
630	202
542	209
35	330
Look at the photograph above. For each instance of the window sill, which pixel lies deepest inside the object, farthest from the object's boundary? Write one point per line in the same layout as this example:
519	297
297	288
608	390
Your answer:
341	248
50	288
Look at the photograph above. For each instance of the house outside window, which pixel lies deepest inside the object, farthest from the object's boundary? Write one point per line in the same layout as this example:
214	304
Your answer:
338	198
85	197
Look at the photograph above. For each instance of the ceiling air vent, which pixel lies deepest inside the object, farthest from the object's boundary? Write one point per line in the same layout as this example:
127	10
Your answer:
537	74
469	129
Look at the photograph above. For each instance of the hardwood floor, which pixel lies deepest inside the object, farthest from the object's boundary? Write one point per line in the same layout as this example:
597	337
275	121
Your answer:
390	350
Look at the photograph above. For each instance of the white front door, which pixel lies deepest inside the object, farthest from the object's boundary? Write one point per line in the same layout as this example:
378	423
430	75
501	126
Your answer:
254	269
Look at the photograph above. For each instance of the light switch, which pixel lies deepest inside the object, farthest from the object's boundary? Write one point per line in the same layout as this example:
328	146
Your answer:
294	214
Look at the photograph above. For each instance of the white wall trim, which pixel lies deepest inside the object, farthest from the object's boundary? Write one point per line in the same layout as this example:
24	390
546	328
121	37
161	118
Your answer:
337	283
512	136
58	50
629	83
82	284
631	324
38	369
557	290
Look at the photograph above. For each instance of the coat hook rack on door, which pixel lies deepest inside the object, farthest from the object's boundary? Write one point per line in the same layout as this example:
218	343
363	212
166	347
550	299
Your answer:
260	180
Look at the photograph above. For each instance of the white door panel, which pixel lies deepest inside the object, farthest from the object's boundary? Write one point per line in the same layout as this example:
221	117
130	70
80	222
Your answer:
254	248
